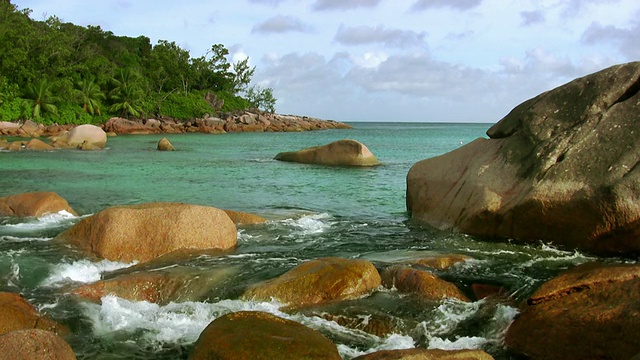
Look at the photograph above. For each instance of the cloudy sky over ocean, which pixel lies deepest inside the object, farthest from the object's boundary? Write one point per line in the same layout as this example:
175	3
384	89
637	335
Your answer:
386	60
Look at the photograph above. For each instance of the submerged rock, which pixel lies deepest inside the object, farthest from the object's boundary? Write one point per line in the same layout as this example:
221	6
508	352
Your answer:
318	281
18	314
165	145
338	153
561	167
33	204
38	145
590	312
35	344
423	354
147	231
420	282
259	335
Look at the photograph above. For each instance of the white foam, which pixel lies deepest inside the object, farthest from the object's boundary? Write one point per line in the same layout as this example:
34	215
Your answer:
465	342
309	224
23	239
392	342
83	271
46	221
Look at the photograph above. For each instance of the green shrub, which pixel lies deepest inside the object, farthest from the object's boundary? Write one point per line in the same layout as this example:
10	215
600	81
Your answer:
10	110
189	106
233	102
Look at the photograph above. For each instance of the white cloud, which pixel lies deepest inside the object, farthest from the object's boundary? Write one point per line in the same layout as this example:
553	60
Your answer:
281	24
454	4
343	4
627	40
360	35
532	17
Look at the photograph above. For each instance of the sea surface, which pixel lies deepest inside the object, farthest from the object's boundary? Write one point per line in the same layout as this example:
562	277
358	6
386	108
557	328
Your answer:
313	211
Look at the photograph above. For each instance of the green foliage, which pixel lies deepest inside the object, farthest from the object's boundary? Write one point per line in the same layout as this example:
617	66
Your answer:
232	102
71	114
262	98
43	99
127	95
181	106
10	110
89	96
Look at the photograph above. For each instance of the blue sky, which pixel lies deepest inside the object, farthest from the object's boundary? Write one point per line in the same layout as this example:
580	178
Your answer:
386	60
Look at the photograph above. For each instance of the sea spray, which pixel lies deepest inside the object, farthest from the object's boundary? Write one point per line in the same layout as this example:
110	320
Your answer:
82	271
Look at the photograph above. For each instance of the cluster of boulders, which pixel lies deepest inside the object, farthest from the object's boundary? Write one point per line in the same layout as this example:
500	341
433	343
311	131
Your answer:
83	137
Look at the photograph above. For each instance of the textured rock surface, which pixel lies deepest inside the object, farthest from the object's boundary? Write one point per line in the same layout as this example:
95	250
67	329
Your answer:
338	153
243	218
421	282
33	204
16	313
561	167
422	354
165	145
258	335
590	312
34	344
318	281
147	231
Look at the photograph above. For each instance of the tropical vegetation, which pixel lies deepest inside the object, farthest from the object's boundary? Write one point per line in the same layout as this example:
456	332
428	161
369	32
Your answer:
57	72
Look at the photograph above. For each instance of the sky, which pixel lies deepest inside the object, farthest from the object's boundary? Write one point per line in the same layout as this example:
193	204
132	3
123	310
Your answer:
386	60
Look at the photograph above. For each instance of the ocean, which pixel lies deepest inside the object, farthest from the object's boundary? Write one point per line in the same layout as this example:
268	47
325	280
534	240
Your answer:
313	212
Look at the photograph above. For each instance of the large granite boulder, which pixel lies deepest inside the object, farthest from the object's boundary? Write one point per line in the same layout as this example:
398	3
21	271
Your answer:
33	204
421	282
243	218
561	167
16	313
338	153
318	281
423	354
148	231
590	312
85	137
34	344
259	335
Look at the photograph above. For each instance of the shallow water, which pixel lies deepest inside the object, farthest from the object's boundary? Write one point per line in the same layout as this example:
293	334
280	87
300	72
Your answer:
313	212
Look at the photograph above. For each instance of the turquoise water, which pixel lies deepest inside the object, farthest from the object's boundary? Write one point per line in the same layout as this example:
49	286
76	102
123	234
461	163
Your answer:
313	211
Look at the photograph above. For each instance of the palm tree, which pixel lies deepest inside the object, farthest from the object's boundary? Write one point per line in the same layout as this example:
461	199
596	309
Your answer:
89	94
43	99
127	95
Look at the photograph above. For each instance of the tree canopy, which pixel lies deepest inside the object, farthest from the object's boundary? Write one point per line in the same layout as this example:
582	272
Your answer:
60	72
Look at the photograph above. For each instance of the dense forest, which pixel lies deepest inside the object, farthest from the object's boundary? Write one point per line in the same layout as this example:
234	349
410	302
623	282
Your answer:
57	72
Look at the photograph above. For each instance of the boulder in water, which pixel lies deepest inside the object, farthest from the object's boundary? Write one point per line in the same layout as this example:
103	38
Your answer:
33	204
165	145
420	282
259	335
35	344
338	153
18	314
423	354
147	231
318	281
38	145
561	167
85	137
243	218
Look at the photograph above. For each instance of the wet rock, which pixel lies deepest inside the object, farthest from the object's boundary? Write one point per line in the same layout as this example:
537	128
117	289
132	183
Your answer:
243	218
259	335
18	314
423	354
421	282
440	262
15	146
38	145
165	145
338	153
33	204
34	344
147	231
561	167
318	281
590	312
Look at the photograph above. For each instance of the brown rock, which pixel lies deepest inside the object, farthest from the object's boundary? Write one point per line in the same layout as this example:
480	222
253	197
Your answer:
561	167
33	204
242	218
89	135
422	354
318	281
18	314
147	231
34	344
124	126
338	153
590	312
424	283
8	128
441	262
258	335
15	146
4	143
38	145
30	129
165	145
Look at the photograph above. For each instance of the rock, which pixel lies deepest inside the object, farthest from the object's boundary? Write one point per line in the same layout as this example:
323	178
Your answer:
124	126
318	281
18	314
146	231
590	312
34	344
165	145
89	134
3	143
376	323
31	129
8	128
38	145
33	204
441	262
421	282
242	218
561	167
171	284
423	354
338	153
15	146
259	335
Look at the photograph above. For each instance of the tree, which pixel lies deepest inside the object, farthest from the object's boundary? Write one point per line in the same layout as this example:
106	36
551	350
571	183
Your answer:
127	96
262	98
89	95
243	75
43	99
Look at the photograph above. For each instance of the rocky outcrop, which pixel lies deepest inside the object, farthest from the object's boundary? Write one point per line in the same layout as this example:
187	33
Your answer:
38	145
87	135
259	335
33	204
423	354
318	281
243	218
590	312
420	282
338	153
19	314
35	344
147	231
561	167
165	145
